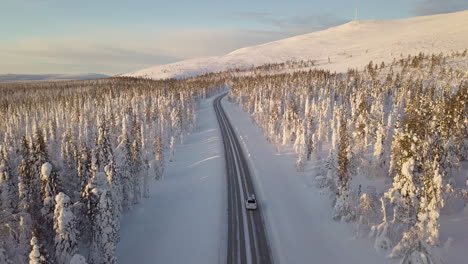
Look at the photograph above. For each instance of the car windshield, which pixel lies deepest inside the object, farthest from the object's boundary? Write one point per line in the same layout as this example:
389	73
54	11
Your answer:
251	201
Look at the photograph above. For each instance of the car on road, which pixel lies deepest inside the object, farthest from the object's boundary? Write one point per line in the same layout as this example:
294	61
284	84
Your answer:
251	203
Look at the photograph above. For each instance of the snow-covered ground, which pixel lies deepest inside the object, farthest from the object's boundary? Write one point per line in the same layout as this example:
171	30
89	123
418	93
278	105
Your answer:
298	215
351	45
184	220
454	234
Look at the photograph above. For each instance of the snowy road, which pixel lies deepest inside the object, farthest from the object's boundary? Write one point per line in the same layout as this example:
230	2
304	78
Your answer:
247	242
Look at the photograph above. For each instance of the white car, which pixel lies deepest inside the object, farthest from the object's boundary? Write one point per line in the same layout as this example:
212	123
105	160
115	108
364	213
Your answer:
251	203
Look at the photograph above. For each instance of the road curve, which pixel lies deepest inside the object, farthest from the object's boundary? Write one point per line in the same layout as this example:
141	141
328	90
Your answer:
247	241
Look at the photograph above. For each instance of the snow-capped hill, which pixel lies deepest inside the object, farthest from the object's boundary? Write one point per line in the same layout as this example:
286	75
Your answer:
350	45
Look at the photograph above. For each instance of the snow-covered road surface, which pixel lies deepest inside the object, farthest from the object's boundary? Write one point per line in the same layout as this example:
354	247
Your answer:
247	241
184	220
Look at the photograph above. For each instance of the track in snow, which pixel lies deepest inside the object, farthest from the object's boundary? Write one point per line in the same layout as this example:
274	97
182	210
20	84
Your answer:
247	242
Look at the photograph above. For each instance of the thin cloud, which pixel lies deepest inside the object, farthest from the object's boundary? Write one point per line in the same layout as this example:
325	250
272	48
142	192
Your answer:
431	7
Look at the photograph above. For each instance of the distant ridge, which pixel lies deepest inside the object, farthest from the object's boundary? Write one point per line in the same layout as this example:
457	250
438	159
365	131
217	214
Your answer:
350	45
49	77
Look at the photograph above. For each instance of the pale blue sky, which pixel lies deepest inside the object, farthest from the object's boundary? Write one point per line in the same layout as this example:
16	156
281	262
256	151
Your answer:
117	36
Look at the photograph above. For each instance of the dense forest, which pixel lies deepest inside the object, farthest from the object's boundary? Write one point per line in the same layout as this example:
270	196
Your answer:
76	155
404	124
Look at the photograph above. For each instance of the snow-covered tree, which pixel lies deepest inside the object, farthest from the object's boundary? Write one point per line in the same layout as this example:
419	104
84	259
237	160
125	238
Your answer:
36	256
172	149
137	164
301	149
103	222
125	168
105	163
65	229
343	208
26	180
84	167
8	189
158	165
48	189
379	146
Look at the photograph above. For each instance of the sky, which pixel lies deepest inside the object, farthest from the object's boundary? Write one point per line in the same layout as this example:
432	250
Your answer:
119	36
